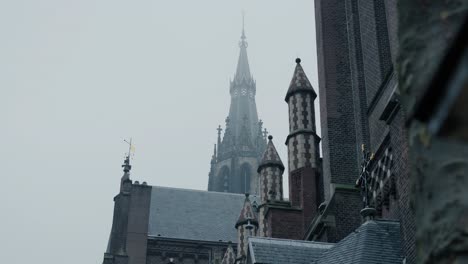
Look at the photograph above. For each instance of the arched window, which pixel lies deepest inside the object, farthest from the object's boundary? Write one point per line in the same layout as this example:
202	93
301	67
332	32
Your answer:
245	173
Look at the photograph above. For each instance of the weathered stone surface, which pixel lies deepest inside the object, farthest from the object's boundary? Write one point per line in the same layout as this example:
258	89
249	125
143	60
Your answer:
427	29
439	163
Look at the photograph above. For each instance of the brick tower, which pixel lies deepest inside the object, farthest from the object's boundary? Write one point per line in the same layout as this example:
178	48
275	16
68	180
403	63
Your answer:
290	219
305	185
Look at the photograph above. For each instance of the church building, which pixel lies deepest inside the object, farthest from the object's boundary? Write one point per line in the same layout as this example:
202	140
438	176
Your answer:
150	222
349	205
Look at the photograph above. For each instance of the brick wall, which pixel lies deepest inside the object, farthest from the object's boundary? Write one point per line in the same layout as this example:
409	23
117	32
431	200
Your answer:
285	223
357	45
406	215
335	90
138	223
392	24
347	218
370	47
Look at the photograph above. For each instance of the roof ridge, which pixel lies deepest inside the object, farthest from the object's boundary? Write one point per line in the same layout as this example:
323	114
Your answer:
196	190
271	239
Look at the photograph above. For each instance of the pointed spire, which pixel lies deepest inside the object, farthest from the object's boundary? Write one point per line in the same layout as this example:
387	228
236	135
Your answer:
213	158
299	82
243	69
229	256
219	133
270	156
247	215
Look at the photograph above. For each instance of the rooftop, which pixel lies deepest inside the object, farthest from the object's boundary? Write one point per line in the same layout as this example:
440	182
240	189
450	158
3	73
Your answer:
194	214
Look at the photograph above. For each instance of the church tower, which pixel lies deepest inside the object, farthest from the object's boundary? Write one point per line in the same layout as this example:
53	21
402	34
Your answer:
238	151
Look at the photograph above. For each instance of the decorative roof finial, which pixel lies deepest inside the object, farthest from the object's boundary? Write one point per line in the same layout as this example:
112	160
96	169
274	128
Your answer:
363	182
243	43
265	133
243	24
127	167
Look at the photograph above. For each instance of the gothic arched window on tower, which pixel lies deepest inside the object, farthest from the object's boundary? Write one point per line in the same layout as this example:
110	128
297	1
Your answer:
245	178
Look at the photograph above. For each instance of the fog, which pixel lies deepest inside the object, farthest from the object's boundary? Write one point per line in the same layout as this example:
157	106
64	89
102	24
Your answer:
79	77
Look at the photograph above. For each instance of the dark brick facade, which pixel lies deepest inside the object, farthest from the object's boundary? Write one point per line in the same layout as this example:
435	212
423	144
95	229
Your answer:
285	222
357	47
161	250
128	239
338	120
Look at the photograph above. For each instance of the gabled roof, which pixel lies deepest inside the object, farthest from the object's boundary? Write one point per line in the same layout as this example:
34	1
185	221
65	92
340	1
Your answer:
270	156
193	214
275	251
374	242
299	82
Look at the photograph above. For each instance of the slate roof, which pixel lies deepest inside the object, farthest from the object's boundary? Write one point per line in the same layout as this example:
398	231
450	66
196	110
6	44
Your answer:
270	156
193	214
374	242
299	82
275	251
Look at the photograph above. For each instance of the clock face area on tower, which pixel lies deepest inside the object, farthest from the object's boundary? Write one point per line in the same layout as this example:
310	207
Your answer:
239	149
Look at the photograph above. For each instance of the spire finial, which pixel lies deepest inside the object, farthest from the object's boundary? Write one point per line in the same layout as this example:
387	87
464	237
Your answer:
131	149
265	133
243	43
243	23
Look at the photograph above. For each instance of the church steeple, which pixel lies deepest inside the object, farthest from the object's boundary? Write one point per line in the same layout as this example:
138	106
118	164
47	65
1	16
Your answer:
243	69
240	148
243	90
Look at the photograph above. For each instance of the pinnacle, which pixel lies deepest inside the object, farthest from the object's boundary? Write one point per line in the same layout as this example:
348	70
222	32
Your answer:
229	256
299	82
270	156
247	213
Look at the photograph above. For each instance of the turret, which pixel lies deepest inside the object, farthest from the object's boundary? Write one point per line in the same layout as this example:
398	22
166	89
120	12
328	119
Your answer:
303	145
271	170
246	226
229	256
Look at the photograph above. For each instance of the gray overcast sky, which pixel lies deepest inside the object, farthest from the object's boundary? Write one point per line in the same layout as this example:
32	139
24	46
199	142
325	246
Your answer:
77	77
